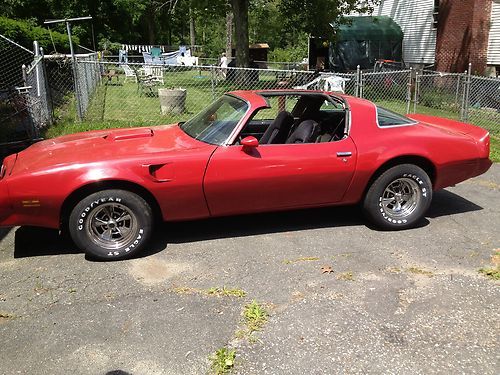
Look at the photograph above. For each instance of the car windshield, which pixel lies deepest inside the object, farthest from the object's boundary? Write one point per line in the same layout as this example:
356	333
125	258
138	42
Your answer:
216	122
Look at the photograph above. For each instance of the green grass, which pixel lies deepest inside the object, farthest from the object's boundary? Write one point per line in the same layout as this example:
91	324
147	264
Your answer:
226	292
492	273
222	361
214	291
255	316
495	149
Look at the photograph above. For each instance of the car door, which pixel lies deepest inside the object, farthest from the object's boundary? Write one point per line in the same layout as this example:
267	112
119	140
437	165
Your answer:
272	177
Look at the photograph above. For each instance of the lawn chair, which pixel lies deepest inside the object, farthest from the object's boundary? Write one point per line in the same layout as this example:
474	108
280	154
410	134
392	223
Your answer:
148	59
155	73
146	85
129	73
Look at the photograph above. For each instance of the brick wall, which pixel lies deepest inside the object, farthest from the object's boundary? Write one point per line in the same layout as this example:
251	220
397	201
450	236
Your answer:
462	35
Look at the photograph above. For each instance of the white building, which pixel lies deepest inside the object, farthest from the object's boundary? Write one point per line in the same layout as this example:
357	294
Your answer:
416	19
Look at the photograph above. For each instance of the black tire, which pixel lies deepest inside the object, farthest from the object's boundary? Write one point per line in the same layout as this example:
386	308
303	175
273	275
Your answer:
111	224
399	197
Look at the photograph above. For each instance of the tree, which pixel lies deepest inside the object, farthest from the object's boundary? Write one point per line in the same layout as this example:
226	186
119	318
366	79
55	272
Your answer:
321	17
240	12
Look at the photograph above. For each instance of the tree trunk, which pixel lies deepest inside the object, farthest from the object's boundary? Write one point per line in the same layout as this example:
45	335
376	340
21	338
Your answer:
150	24
240	11
192	34
229	36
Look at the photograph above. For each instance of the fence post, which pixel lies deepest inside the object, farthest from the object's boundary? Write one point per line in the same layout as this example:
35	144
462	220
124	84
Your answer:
417	91
361	84
25	75
36	49
468	74
48	93
408	93
212	81
357	89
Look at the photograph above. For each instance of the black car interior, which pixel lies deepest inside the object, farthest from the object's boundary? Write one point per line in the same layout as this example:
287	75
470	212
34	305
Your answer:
309	121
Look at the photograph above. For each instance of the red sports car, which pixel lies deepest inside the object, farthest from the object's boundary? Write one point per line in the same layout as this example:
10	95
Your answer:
249	151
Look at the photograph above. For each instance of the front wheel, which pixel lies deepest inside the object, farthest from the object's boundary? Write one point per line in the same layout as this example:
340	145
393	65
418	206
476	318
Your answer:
111	224
399	197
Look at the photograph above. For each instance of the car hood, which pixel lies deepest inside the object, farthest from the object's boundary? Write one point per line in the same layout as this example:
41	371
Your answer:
105	145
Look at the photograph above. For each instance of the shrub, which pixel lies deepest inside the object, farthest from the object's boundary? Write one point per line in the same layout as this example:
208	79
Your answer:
25	32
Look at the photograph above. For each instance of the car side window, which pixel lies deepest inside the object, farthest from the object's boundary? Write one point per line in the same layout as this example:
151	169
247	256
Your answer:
389	118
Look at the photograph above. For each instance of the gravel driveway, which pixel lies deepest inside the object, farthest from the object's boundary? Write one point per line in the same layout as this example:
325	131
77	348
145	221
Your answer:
341	297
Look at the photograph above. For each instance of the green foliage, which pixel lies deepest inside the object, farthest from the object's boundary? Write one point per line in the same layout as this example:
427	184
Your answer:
226	292
109	46
492	273
25	32
315	16
291	53
222	361
255	316
495	149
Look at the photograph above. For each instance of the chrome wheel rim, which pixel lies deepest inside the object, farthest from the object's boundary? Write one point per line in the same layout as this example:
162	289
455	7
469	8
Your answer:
401	198
112	226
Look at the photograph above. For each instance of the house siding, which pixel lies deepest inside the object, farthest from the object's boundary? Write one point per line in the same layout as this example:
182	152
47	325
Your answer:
494	37
415	17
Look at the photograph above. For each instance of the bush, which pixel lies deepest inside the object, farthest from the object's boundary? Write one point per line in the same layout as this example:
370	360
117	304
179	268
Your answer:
25	32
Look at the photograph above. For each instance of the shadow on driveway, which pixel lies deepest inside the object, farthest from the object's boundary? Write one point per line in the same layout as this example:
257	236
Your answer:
446	203
30	241
4	232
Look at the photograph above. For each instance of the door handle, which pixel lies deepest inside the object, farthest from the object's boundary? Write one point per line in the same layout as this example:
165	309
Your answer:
344	154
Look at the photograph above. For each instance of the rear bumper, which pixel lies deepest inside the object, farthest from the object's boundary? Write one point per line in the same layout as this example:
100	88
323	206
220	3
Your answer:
5	204
454	173
482	166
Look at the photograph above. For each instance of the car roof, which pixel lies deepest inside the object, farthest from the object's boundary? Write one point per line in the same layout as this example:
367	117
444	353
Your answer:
256	97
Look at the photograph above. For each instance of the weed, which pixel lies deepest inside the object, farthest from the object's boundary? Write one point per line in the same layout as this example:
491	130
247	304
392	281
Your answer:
255	316
184	290
226	292
214	291
492	273
222	361
346	276
394	270
419	271
302	259
6	316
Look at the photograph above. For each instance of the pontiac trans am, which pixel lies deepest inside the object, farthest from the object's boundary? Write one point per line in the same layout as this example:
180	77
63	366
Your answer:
249	151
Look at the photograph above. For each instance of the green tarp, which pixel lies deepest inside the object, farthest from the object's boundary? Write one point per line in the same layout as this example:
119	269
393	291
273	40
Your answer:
379	28
363	41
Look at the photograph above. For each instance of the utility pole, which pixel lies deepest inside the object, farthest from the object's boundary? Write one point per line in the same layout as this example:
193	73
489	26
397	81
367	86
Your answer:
68	21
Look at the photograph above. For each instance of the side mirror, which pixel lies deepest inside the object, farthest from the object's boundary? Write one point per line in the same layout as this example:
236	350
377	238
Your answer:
249	142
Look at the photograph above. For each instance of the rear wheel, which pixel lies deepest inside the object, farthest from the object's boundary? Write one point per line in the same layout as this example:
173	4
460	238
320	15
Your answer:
399	197
111	224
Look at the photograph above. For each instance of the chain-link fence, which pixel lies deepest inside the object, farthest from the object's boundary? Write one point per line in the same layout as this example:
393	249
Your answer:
155	94
483	106
37	95
135	93
108	93
16	125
